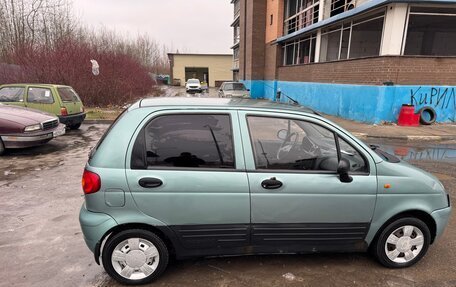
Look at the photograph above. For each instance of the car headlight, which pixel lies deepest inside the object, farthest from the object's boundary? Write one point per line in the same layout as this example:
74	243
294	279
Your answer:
32	128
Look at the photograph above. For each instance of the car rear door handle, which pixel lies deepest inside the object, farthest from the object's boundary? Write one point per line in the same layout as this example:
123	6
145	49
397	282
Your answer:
150	182
271	183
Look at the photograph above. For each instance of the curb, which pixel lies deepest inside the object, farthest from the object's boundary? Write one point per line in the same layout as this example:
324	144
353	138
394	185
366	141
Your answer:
405	137
356	134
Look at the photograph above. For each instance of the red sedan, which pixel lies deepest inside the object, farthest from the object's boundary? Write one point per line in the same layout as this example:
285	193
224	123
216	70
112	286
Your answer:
21	127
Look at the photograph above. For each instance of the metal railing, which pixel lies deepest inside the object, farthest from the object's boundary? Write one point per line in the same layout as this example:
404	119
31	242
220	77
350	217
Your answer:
304	18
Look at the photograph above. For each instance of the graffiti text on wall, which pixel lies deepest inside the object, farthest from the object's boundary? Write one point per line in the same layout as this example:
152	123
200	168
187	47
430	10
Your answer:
442	98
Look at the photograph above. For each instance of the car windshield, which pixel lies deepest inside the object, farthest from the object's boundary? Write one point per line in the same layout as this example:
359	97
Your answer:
68	94
193	81
234	87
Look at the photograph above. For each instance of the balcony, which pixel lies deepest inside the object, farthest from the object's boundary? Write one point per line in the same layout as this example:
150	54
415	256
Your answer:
237	14
235	64
236	39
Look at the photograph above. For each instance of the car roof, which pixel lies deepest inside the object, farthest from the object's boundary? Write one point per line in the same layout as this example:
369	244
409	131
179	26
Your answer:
227	103
35	85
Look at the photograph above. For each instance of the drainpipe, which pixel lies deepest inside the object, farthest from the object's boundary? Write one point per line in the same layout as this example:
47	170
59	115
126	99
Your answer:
245	37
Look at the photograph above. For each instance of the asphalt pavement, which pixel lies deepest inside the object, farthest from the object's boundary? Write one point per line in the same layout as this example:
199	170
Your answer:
41	243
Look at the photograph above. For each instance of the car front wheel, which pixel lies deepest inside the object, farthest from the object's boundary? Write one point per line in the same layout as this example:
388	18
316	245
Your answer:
403	243
74	126
135	257
2	147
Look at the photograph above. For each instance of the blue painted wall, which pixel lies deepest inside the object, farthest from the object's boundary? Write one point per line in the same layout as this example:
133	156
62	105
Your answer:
371	104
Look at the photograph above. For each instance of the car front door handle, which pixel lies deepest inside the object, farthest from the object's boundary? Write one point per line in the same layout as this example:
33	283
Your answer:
271	183
150	182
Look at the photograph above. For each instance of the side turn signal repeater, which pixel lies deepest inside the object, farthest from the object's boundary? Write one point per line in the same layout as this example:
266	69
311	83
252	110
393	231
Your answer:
387	185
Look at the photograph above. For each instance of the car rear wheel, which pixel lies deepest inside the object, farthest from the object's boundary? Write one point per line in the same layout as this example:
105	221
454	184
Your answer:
403	243
74	126
135	257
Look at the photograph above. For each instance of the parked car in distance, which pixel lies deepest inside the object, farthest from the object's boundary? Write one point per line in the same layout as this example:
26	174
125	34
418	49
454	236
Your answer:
209	177
22	127
233	90
59	100
193	86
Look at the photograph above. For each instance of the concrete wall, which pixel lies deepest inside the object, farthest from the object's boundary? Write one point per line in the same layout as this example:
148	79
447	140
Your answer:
365	103
219	66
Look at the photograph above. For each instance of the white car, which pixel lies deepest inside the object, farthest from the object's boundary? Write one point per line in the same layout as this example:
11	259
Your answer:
233	90
193	86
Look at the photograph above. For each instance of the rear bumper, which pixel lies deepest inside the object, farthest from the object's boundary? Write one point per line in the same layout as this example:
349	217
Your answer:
441	217
32	139
72	119
94	226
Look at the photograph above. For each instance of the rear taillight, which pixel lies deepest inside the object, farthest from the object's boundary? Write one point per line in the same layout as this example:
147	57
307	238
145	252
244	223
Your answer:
63	111
91	182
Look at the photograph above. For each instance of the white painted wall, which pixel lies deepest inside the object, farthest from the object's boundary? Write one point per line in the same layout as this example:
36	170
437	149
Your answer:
394	28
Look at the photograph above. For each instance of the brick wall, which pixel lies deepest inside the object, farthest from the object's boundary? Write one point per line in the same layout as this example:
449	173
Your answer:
272	55
401	70
252	47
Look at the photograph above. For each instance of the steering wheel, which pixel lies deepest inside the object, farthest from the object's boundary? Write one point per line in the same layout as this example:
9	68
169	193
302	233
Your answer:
309	147
287	145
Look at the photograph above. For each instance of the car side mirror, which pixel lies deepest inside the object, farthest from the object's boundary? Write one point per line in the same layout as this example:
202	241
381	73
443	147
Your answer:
342	169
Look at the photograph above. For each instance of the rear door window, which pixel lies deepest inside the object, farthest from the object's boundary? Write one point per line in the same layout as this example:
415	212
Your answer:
12	94
40	96
185	141
68	94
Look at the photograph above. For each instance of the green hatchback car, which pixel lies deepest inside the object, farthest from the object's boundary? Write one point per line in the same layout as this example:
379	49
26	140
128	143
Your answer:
212	177
59	100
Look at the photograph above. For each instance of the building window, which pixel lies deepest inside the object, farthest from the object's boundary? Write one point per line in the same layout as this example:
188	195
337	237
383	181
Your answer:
300	14
301	51
237	9
237	34
354	39
236	54
431	31
340	6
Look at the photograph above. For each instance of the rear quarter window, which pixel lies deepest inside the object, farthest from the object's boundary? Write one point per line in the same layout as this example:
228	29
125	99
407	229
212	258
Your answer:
68	94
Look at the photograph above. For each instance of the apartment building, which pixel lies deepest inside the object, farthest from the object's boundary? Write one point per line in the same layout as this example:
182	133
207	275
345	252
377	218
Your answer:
359	59
236	38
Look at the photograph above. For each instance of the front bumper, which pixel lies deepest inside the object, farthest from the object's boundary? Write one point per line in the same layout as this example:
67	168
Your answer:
73	119
25	140
441	217
94	227
194	90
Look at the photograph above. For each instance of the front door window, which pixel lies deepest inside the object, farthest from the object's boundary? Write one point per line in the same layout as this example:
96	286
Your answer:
292	145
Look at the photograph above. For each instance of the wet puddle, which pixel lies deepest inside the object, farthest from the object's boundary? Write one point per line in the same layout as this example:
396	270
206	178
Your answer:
431	152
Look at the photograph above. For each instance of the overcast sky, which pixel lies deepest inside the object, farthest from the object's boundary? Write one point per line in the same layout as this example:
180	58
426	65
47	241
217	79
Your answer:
196	26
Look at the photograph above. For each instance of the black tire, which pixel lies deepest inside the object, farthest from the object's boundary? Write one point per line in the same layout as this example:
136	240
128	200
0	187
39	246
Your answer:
432	113
74	126
380	244
135	233
2	147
